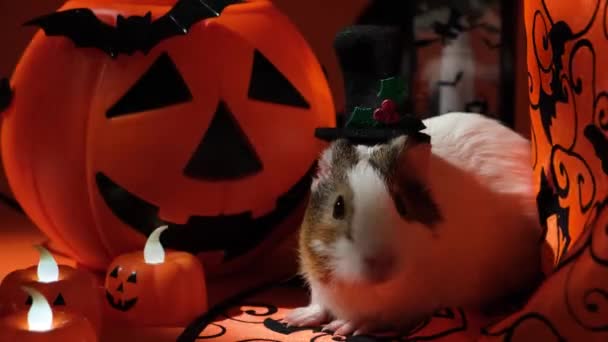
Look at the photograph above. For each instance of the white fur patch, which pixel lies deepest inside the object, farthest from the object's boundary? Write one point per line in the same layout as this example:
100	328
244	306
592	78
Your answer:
372	207
365	151
368	225
346	263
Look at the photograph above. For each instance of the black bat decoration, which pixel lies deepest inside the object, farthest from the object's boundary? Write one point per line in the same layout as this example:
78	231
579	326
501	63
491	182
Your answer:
6	94
547	203
450	30
600	144
559	35
131	34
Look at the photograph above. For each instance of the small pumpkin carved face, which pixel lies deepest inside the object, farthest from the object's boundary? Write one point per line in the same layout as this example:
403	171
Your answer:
168	294
121	299
42	322
156	289
58	302
210	132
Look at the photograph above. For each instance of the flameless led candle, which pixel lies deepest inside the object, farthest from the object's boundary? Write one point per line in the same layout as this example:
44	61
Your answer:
156	287
154	253
40	323
65	287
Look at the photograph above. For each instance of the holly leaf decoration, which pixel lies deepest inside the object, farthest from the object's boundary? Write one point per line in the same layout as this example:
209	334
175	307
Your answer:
393	88
362	117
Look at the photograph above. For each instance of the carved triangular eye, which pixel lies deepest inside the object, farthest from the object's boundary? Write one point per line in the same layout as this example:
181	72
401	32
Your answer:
161	86
268	84
132	278
28	301
224	153
59	300
114	273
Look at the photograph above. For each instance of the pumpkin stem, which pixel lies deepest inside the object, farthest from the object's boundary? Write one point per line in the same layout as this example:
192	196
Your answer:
154	253
47	270
40	315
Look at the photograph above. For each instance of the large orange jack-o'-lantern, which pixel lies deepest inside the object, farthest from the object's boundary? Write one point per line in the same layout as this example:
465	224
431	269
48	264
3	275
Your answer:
129	115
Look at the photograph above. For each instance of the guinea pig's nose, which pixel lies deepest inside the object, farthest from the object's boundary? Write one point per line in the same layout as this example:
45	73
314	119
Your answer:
378	268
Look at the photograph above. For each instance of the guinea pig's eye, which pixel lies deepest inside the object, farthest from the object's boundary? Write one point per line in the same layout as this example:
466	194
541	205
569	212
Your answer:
339	208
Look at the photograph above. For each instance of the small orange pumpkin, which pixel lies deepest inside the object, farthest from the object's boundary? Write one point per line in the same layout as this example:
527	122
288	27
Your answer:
42	323
209	131
65	287
151	288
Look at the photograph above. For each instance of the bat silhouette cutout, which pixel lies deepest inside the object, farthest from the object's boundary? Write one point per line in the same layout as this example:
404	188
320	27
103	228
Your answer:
131	34
600	144
448	31
547	204
452	28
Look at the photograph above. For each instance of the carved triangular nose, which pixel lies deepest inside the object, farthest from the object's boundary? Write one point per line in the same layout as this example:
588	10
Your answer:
120	288
224	153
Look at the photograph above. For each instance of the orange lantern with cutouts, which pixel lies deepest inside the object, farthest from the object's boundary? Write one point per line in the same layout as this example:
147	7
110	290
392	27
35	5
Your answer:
567	111
568	90
127	115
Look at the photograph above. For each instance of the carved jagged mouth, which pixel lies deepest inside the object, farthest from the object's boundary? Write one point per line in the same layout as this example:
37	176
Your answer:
235	235
119	304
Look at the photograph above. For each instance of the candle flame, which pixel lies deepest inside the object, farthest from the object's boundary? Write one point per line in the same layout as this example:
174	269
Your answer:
40	315
154	253
48	271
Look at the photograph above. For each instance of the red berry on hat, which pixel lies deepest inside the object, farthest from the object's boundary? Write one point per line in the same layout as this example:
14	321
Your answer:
379	114
388	106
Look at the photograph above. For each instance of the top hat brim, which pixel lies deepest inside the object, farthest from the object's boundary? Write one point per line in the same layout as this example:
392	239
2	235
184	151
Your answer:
368	137
372	136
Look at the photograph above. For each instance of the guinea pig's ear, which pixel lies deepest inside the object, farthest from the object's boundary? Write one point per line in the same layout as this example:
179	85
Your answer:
323	166
324	163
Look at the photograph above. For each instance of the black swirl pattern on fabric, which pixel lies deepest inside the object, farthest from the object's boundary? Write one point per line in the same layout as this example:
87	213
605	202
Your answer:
255	310
563	80
565	86
510	333
588	305
250	310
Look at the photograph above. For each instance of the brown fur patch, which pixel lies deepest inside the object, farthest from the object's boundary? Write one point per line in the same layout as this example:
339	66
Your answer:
413	201
344	157
319	223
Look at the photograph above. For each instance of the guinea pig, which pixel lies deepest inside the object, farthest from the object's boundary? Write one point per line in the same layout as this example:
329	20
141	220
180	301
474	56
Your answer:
396	231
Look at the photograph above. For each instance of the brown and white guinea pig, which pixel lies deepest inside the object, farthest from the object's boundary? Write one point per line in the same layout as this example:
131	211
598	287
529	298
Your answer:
396	231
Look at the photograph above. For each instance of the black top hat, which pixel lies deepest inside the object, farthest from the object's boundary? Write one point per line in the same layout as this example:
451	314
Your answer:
368	126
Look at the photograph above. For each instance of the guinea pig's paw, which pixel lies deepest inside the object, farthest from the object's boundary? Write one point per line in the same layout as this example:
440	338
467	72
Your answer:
309	316
341	327
345	328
